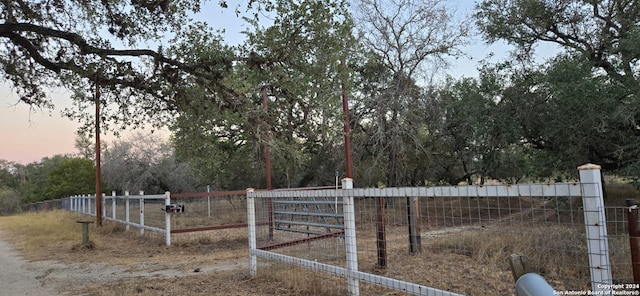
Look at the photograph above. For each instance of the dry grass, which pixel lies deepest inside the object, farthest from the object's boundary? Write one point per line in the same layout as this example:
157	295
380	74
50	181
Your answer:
557	252
618	193
40	230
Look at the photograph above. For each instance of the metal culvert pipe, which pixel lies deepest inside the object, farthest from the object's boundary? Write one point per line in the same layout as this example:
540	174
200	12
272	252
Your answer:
532	284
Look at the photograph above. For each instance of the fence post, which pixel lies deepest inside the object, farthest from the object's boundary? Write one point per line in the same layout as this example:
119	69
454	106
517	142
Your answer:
126	210
596	227
83	202
381	231
519	265
104	202
251	223
113	205
89	204
634	235
141	212
348	209
413	223
209	201
167	218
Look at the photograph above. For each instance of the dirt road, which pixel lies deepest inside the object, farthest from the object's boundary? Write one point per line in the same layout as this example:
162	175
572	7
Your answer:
17	279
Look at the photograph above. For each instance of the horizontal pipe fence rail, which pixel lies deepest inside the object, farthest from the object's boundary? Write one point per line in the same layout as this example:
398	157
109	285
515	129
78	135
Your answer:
435	240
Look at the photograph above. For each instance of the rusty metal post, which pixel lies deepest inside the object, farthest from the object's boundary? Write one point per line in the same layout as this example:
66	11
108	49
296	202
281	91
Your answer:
381	233
347	127
634	236
267	149
267	162
98	168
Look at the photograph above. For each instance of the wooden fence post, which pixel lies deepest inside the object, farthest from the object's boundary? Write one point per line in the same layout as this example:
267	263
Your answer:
413	222
519	265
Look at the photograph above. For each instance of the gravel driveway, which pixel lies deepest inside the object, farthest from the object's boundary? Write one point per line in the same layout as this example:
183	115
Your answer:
16	278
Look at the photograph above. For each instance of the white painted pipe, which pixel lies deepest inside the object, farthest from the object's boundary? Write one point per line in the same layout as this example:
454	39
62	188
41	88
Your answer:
532	284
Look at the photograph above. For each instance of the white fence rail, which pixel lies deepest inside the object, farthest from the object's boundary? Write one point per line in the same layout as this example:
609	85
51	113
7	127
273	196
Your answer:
119	209
261	217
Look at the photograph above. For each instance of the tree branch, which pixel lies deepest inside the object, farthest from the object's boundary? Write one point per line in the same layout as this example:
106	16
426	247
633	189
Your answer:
10	31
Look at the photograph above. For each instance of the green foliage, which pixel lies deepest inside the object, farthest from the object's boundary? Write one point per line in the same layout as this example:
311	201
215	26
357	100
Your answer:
84	45
298	63
35	176
8	178
575	114
514	121
71	176
9	201
582	106
50	178
56	43
602	31
582	124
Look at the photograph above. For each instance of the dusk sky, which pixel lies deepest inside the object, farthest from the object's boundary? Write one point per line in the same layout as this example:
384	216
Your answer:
28	136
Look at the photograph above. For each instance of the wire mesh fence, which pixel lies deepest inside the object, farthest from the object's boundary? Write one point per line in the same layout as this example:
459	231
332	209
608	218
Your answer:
46	205
619	249
210	210
211	217
475	235
453	238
